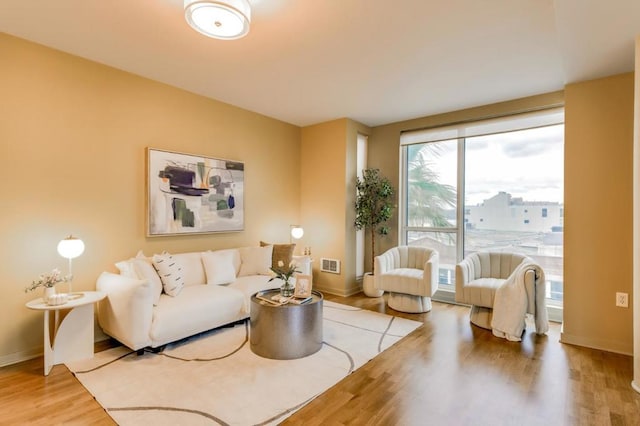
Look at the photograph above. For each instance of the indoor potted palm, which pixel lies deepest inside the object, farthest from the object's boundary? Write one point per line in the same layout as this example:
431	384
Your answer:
374	207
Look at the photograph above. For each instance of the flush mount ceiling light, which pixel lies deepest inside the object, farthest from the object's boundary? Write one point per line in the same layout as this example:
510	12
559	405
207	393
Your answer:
223	19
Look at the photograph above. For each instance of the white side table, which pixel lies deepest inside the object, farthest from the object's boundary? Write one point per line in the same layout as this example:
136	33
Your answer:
73	336
304	263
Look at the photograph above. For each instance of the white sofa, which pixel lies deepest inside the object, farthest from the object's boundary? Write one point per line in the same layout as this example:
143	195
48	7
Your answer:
215	290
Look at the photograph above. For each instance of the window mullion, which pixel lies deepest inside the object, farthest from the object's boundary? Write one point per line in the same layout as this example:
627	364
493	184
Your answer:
460	202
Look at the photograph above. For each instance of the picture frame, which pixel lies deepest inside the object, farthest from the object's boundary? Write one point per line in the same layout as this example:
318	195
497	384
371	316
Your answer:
193	194
304	285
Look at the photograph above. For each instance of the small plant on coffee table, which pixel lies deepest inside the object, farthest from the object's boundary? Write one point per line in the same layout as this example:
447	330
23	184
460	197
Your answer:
285	273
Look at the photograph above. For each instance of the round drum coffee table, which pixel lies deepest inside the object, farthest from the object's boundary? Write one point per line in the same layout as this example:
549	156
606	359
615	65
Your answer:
287	331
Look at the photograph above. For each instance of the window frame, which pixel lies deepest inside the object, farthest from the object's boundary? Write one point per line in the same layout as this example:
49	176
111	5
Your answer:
446	293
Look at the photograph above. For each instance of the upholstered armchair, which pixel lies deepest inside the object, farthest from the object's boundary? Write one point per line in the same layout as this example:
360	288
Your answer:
480	274
410	275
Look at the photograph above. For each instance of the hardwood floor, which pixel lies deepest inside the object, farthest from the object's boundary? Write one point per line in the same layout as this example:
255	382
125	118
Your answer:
444	373
27	397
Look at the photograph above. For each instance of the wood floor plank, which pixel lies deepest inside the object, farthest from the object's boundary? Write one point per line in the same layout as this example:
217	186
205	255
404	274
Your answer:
446	372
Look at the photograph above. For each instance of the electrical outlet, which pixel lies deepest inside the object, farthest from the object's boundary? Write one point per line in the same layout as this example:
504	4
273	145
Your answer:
622	300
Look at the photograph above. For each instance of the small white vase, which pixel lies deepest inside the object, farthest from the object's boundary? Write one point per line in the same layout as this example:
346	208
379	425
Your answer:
48	292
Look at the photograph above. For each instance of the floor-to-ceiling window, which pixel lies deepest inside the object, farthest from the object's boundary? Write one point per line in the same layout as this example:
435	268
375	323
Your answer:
489	185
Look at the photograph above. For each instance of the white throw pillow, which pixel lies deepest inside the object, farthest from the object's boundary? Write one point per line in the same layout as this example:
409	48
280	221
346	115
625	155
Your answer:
145	270
192	269
127	268
140	268
235	255
170	273
255	260
219	267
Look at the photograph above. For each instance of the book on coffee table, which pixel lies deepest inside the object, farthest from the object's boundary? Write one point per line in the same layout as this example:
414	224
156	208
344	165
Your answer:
281	300
299	300
271	301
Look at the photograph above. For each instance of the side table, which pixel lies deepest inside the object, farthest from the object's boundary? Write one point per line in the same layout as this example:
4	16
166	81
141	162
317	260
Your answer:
72	337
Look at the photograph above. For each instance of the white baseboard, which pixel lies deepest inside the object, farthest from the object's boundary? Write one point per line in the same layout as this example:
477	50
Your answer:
20	356
343	292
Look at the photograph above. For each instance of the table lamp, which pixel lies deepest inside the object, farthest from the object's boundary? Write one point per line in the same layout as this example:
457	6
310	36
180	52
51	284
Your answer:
71	247
296	232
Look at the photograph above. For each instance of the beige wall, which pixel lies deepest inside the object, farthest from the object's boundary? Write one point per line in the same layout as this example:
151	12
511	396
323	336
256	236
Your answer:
598	212
72	141
328	170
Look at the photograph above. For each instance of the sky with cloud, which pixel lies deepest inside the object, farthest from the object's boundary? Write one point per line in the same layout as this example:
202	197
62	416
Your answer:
526	163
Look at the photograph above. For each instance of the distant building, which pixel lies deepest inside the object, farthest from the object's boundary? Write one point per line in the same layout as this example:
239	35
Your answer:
503	212
505	223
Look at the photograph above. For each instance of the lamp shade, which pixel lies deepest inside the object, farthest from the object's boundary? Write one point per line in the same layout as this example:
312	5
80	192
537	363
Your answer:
71	247
222	19
297	232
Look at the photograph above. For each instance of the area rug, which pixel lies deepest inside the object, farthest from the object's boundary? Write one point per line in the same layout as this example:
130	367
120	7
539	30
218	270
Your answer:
215	379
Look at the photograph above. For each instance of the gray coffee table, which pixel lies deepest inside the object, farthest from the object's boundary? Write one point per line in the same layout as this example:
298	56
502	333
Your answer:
285	332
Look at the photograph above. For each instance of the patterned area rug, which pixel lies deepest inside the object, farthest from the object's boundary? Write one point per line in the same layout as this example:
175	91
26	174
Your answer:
214	378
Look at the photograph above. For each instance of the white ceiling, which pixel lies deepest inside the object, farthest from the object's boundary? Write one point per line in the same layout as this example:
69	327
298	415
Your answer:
377	62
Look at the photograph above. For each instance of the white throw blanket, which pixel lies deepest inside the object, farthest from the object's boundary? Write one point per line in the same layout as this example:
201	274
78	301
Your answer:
510	304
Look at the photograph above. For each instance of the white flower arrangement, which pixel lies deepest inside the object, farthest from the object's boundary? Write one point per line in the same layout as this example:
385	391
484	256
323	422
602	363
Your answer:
46	280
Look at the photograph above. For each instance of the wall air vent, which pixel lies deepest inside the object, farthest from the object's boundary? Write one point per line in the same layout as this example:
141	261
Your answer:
329	265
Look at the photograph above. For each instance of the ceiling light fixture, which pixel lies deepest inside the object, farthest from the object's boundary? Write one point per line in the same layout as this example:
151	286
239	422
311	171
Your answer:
222	19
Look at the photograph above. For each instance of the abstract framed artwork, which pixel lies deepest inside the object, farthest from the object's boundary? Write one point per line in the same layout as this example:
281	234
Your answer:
193	194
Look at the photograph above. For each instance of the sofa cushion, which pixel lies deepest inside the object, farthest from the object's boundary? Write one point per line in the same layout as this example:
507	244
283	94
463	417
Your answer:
281	252
255	260
170	273
252	284
192	268
403	280
219	267
199	308
482	292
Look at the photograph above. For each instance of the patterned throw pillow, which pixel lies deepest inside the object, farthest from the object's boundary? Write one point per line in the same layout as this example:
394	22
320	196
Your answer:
281	252
170	273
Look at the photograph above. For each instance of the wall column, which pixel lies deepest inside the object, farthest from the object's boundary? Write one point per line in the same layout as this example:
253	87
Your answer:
636	224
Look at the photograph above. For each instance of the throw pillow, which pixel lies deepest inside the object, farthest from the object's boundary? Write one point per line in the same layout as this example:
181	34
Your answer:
127	268
281	252
140	267
192	269
255	260
146	271
219	267
170	273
